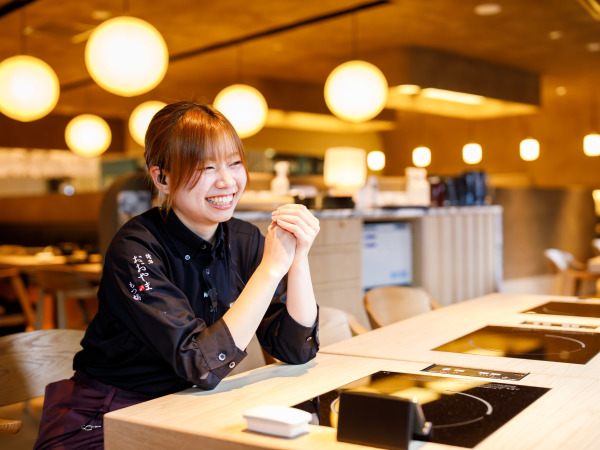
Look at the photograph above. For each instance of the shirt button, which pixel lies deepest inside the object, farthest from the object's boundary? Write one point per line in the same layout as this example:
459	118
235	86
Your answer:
232	364
203	247
309	338
187	257
207	271
222	356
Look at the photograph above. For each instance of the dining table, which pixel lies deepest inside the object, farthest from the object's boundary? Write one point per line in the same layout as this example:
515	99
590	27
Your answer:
427	348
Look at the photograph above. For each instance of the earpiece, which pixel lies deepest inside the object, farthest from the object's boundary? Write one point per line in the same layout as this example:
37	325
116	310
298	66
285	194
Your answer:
161	178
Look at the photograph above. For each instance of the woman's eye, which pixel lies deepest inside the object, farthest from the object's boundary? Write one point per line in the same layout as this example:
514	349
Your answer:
236	163
208	168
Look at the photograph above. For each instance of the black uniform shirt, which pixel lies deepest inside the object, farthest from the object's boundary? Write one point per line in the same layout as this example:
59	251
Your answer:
164	290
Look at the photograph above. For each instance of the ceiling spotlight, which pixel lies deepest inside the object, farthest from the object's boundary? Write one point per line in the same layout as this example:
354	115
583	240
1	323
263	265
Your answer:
88	135
126	56
356	91
593	47
244	106
29	88
488	9
140	119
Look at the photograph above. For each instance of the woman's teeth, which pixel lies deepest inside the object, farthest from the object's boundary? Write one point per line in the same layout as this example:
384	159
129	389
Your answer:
221	200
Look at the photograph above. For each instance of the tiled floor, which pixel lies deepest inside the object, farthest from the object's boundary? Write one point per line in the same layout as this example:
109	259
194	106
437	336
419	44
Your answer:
30	415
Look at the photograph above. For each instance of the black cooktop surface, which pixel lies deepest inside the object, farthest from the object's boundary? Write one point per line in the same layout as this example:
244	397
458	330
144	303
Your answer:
567	309
463	412
528	343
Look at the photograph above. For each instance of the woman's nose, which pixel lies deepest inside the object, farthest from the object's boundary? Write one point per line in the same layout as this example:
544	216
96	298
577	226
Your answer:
225	177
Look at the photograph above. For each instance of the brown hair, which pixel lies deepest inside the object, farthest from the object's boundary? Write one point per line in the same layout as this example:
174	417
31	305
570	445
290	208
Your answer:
182	137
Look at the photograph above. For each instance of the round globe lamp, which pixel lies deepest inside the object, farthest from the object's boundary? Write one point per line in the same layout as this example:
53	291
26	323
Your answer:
244	106
529	149
421	157
29	88
591	144
356	91
126	56
140	119
88	135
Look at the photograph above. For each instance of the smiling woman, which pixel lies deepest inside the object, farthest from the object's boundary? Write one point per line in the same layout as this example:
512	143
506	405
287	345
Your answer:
185	286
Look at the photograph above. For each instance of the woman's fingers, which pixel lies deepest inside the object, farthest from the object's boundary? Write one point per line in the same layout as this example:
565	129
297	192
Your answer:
299	221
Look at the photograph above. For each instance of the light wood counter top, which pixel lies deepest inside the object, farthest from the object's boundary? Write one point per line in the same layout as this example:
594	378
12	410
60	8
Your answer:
564	417
412	339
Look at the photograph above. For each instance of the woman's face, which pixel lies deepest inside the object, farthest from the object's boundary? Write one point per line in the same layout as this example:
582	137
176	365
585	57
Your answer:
214	197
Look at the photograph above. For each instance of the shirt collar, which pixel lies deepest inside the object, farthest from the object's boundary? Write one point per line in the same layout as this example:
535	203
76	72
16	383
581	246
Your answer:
185	240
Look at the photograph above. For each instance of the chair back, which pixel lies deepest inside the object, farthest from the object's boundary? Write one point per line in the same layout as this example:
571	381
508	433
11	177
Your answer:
559	260
254	360
596	246
388	304
32	359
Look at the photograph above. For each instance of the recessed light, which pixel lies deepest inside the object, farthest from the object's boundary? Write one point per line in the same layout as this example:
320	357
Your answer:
555	35
99	14
593	47
488	9
561	90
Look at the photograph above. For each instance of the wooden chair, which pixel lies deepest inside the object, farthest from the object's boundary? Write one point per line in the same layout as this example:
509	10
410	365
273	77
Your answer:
27	316
337	325
29	361
334	325
63	284
388	304
571	274
596	246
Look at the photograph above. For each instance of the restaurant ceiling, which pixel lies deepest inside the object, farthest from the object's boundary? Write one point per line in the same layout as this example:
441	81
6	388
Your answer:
214	44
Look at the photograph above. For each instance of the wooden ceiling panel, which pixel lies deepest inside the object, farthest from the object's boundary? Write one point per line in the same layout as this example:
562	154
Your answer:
519	36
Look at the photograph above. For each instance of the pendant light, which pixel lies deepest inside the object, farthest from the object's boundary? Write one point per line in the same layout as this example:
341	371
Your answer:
356	90
421	156
243	105
344	170
29	87
140	119
88	135
126	56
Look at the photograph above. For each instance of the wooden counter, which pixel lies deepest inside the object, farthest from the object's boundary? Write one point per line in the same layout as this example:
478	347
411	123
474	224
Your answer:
565	417
412	339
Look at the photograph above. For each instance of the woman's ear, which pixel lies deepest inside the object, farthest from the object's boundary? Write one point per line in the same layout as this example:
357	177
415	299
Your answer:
160	179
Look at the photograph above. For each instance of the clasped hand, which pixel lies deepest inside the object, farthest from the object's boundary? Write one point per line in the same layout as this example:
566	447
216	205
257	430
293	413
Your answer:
290	235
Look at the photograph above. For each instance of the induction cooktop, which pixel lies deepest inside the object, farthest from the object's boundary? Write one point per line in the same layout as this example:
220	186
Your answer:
567	309
463	412
528	343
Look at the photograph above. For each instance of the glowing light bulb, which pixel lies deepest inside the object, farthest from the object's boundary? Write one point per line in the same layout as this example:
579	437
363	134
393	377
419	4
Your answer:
356	91
29	88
